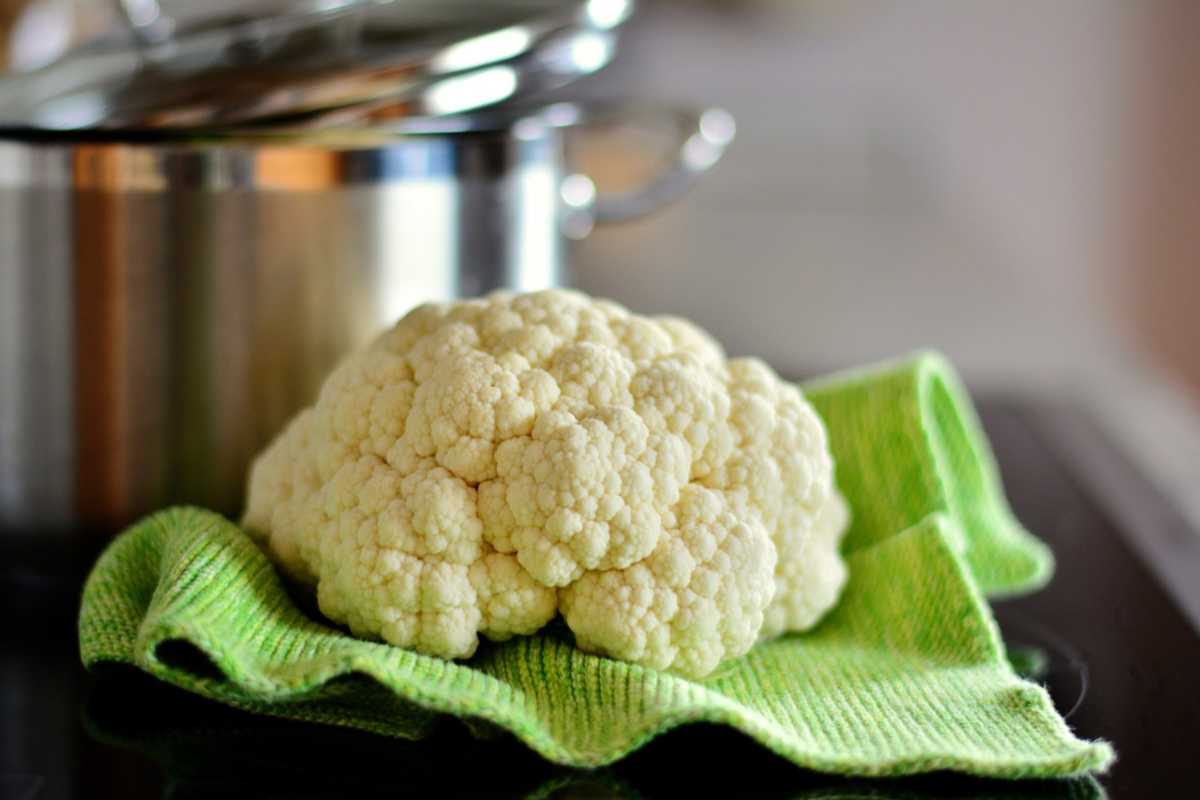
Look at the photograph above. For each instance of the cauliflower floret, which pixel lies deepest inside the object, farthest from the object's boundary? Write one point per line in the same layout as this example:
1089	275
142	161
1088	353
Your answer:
511	601
581	495
809	574
696	601
487	463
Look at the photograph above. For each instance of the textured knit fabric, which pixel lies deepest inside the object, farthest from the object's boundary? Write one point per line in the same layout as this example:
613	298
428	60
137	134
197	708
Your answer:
908	444
906	675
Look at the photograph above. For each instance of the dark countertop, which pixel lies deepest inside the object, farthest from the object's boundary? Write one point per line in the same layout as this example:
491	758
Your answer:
1118	650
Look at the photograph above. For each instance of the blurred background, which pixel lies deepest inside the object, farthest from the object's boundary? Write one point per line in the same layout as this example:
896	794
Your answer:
1012	183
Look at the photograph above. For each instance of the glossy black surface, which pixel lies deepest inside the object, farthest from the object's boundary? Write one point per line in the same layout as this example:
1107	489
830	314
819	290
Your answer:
1113	648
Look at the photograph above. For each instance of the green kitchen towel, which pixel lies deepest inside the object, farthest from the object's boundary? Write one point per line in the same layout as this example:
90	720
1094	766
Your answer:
906	675
908	444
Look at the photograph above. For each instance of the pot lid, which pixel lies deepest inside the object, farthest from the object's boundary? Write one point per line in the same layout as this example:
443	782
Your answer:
267	61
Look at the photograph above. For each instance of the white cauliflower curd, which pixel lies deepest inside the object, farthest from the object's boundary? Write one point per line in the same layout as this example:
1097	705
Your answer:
486	464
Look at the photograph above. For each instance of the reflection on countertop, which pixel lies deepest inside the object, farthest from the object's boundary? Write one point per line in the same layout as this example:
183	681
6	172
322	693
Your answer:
204	749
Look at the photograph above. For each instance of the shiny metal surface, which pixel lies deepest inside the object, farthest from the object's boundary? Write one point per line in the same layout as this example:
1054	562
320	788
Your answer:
243	62
703	137
167	308
166	305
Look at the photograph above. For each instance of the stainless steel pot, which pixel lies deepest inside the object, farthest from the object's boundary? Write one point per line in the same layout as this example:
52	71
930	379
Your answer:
167	302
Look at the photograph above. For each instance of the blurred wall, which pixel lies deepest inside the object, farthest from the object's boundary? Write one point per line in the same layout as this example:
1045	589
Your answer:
1161	272
907	174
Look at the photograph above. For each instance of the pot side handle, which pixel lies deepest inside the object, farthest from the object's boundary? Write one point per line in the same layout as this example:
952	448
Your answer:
703	136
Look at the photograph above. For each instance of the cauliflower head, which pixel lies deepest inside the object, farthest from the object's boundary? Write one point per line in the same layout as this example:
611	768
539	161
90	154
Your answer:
487	464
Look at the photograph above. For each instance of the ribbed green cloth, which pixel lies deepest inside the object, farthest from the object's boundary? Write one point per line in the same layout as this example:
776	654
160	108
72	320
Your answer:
906	675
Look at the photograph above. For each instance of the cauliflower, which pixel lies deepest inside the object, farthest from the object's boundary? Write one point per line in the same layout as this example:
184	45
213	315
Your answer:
485	465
